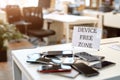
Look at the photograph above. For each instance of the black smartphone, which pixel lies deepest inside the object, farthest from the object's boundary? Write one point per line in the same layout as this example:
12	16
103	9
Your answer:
103	64
67	53
54	53
88	57
85	69
59	53
54	68
39	60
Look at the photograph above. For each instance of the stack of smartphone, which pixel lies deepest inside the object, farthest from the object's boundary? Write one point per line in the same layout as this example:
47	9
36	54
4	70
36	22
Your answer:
52	63
52	56
60	70
38	59
88	57
64	63
66	53
100	63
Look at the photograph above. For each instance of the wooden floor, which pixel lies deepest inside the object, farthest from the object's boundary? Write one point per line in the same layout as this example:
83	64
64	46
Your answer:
5	71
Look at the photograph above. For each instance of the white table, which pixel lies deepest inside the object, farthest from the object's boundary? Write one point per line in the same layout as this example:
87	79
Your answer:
29	71
68	20
112	20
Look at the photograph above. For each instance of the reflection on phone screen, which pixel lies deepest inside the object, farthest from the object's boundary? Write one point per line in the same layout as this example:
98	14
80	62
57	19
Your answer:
55	68
103	64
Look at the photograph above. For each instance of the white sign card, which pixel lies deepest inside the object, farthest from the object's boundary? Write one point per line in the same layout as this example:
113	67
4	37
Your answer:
88	37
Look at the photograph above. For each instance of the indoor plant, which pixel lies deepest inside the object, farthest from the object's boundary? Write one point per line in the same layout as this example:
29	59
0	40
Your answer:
8	32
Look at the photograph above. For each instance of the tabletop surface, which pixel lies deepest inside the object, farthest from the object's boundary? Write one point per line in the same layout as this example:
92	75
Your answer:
20	56
68	18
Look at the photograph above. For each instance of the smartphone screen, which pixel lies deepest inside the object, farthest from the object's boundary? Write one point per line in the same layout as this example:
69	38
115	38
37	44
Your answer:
85	69
67	53
59	53
55	68
47	60
39	60
102	64
68	60
54	53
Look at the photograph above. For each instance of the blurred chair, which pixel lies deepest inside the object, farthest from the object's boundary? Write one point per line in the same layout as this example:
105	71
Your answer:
44	3
13	13
34	15
14	16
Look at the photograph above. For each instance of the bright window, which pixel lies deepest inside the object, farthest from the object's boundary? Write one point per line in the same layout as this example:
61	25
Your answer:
87	3
21	3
